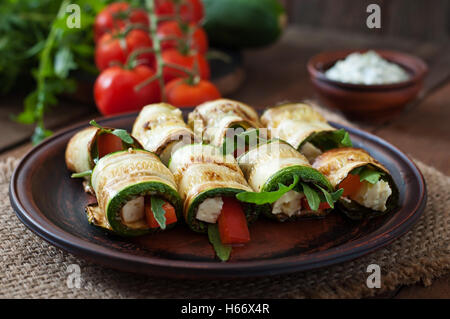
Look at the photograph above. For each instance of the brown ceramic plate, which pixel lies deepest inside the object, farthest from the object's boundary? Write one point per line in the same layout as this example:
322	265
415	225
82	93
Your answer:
51	204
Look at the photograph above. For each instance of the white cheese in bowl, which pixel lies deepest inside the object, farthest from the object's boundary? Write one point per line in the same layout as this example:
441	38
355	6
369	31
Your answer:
366	68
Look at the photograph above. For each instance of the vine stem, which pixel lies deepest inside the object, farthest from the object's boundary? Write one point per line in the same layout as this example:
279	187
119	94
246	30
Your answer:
150	4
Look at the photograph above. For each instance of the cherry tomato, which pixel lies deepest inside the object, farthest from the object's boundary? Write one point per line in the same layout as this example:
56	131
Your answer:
190	10
116	89
187	61
115	47
198	40
115	16
182	94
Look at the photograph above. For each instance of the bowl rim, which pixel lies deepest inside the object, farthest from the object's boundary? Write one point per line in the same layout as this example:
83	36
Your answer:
416	67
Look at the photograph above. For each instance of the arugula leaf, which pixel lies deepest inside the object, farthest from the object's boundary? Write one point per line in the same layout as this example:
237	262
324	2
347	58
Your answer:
123	135
332	139
81	174
333	197
370	176
158	211
261	198
311	196
64	62
222	251
346	141
120	133
94	123
367	174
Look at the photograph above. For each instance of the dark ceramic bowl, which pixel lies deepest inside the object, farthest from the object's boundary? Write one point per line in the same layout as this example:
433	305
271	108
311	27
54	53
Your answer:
367	102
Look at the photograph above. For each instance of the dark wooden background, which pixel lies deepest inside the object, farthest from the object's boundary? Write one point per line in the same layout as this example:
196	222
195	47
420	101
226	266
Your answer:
425	20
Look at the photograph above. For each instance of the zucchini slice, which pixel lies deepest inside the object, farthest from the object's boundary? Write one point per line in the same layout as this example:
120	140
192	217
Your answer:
270	164
299	124
338	164
82	149
126	175
211	120
201	171
161	129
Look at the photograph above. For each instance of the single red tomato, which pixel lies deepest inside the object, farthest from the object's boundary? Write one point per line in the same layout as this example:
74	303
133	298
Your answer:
116	47
188	61
117	90
115	16
190	10
164	7
180	93
198	40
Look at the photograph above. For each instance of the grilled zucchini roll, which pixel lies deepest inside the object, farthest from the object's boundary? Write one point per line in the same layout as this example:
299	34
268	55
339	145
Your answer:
136	194
87	146
368	188
212	120
208	182
304	128
161	130
285	183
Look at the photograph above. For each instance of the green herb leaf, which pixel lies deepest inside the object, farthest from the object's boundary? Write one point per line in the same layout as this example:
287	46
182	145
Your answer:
158	211
64	62
222	251
123	135
346	141
261	198
311	196
337	194
367	174
81	174
333	197
40	133
332	139
370	176
94	123
120	133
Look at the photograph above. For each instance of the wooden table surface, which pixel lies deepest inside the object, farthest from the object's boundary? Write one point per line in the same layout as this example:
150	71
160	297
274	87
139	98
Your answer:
278	73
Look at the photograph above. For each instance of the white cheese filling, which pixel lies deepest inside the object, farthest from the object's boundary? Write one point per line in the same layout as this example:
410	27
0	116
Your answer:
289	204
209	210
133	210
310	151
374	196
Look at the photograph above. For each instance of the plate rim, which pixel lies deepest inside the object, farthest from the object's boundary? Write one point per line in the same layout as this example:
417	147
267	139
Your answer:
112	258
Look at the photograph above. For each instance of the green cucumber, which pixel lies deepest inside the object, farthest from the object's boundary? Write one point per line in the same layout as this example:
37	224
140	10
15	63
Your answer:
243	23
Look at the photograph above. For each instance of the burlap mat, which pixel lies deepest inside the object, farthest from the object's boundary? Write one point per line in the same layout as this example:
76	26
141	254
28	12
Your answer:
31	268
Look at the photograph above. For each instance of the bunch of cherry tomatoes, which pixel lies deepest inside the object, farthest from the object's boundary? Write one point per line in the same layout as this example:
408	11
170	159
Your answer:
136	72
